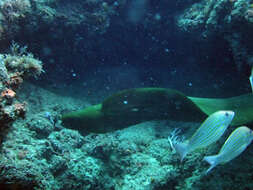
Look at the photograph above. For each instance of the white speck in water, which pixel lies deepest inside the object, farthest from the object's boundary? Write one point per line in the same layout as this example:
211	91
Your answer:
157	16
125	102
116	4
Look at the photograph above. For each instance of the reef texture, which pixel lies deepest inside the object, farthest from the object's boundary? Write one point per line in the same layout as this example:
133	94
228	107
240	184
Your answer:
14	68
231	20
82	23
39	153
18	16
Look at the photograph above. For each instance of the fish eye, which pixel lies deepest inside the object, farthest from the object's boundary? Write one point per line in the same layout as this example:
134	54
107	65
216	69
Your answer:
226	114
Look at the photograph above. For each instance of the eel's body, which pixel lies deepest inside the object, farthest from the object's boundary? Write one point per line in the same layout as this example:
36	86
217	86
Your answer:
241	105
133	106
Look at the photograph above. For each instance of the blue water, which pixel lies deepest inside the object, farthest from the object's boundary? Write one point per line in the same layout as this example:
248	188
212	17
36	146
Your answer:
154	56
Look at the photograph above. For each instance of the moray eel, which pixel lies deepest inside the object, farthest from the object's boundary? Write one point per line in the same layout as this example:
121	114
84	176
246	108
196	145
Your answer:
133	106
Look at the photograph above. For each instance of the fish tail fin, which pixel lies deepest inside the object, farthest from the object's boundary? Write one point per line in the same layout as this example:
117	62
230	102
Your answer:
212	160
251	81
181	149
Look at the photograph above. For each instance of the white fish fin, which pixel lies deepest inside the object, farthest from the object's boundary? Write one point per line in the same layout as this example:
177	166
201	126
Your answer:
181	149
251	81
212	160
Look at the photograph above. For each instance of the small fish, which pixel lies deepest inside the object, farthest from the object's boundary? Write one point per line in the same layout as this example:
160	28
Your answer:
236	143
251	79
209	132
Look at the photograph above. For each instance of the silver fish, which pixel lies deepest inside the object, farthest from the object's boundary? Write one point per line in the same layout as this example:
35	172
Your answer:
251	79
209	132
236	143
251	82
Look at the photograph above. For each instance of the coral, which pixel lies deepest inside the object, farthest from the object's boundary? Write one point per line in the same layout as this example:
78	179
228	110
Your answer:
21	63
40	125
31	16
12	12
138	157
15	80
8	94
230	20
15	9
4	76
20	109
15	67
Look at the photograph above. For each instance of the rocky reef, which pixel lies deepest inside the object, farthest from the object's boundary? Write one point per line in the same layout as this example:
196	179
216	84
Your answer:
231	20
84	22
30	16
15	67
39	153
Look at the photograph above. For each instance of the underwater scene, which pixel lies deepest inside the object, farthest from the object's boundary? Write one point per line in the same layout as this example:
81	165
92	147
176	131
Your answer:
126	95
